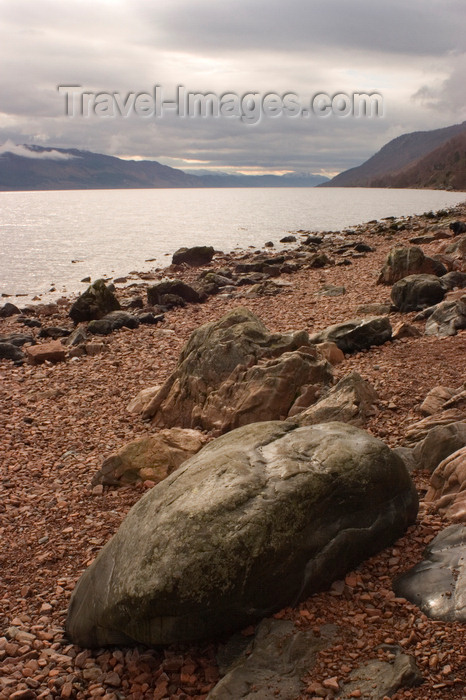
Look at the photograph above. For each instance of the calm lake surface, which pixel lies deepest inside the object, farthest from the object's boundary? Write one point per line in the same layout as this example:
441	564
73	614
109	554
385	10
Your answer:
111	232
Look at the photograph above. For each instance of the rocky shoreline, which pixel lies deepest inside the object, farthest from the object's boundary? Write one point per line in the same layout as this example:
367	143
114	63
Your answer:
62	418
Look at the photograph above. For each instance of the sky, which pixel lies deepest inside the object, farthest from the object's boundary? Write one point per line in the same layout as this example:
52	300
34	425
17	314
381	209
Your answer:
411	53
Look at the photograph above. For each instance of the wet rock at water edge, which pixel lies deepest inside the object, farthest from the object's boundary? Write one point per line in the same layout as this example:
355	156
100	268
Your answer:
97	301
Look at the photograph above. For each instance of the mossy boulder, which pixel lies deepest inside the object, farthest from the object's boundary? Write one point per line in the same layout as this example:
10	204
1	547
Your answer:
97	301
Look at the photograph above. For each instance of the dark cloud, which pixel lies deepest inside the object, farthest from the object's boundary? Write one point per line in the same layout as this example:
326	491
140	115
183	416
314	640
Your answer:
412	52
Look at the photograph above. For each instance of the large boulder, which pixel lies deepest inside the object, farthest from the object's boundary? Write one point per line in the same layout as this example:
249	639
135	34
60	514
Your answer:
257	520
356	334
417	292
94	303
448	318
8	310
234	371
352	400
404	261
194	257
437	585
447	490
150	458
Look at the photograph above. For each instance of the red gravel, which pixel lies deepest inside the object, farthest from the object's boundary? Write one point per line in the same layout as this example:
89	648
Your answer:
59	422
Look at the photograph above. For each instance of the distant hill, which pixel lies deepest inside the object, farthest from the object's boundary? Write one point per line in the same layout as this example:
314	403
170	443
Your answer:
396	157
443	168
29	167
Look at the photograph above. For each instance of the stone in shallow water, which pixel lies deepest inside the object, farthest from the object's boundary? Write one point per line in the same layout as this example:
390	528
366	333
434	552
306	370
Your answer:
438	583
258	519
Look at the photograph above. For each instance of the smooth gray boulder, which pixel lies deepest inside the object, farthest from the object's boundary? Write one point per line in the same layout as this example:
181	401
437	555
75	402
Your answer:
437	585
379	679
417	292
257	520
356	334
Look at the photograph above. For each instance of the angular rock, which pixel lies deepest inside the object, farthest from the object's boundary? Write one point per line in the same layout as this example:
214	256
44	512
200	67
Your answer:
234	371
437	585
448	318
405	330
160	293
257	520
356	334
273	664
330	352
194	257
77	337
142	400
440	442
94	303
417	292
458	227
9	351
352	401
419	430
46	352
447	490
379	679
454	279
435	399
405	261
150	458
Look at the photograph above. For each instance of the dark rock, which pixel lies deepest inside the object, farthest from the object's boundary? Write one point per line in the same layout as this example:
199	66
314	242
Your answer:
234	371
8	351
18	339
362	247
77	337
273	663
318	260
163	292
94	303
259	519
417	292
288	239
134	303
458	227
379	679
440	442
9	309
112	322
453	279
269	244
356	334
29	322
402	262
447	318
437	585
313	240
195	256
54	332
149	318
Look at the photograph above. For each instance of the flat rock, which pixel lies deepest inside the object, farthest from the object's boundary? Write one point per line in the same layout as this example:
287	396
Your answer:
378	679
437	585
435	399
46	352
356	334
255	521
273	663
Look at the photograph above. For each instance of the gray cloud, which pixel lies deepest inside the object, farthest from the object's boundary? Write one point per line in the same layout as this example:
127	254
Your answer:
413	52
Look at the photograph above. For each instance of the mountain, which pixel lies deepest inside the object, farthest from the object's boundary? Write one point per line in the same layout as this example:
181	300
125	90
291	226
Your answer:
29	167
395	157
444	168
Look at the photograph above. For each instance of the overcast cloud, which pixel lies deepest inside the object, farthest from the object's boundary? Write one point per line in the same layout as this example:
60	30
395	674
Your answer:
413	53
